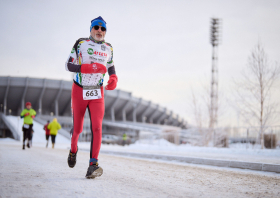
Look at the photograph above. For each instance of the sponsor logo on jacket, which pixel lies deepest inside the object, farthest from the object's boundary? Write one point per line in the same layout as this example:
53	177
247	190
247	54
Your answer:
90	51
100	53
93	58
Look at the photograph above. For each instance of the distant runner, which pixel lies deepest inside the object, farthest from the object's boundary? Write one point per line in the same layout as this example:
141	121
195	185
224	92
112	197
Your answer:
28	114
124	139
90	59
54	126
47	132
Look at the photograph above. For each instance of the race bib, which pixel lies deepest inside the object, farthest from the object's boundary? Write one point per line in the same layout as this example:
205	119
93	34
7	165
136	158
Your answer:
91	93
26	126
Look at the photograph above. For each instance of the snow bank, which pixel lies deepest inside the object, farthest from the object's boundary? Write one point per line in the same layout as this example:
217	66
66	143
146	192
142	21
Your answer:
236	153
152	142
7	140
164	145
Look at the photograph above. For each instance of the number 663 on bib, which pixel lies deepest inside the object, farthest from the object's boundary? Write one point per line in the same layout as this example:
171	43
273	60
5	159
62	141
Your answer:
91	93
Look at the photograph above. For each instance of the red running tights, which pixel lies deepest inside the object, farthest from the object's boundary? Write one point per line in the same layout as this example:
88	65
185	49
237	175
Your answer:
96	112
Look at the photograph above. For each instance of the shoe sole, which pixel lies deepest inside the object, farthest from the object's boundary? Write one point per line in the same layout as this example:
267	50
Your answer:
71	166
97	173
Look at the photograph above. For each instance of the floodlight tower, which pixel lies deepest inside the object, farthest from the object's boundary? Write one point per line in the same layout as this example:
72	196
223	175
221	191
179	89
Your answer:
215	41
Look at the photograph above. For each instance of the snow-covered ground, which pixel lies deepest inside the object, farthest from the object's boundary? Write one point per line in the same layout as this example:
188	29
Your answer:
41	172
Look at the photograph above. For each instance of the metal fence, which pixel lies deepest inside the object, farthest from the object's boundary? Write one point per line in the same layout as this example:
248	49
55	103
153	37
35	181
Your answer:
250	135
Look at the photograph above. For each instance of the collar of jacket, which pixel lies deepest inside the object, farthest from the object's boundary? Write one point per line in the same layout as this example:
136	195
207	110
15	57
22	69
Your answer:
98	42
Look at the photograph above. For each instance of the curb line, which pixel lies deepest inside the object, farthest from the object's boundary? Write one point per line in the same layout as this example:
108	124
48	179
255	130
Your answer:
204	161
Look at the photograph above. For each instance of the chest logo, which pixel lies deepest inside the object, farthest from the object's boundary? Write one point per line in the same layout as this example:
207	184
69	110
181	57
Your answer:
103	47
90	51
100	53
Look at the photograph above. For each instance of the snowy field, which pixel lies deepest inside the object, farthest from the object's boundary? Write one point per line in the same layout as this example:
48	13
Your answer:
42	172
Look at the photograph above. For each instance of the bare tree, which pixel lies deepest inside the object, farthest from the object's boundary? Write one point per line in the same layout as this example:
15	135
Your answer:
254	90
199	119
201	105
196	111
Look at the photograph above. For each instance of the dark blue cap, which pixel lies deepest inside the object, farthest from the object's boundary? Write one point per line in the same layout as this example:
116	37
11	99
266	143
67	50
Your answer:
98	21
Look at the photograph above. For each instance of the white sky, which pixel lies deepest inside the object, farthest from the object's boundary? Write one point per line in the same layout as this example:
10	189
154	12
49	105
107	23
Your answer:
161	48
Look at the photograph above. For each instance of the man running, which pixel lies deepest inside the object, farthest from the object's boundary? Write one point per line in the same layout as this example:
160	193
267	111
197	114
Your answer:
90	59
47	132
28	114
54	126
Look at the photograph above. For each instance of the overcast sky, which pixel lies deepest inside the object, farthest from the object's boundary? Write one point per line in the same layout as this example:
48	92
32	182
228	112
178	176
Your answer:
161	47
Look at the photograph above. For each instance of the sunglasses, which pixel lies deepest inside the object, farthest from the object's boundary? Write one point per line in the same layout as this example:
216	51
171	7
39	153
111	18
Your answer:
96	27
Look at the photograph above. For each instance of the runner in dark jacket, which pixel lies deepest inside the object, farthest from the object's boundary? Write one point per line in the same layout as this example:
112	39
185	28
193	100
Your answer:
28	114
47	133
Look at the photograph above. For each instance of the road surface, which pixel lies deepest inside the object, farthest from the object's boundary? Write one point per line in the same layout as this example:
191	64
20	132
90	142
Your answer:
41	172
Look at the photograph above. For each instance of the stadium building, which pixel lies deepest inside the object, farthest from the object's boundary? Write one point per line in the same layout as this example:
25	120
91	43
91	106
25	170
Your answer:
124	113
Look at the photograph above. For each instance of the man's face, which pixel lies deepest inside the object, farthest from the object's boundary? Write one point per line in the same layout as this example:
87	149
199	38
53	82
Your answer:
97	34
28	106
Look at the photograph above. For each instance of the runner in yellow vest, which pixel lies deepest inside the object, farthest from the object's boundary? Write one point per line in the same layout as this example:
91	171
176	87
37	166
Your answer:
54	126
28	114
124	138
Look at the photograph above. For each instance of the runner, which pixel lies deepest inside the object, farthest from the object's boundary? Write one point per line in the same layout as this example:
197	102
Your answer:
54	126
47	132
124	138
88	59
28	114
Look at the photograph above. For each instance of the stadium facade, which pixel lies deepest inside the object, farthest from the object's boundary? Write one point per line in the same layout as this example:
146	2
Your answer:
52	98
